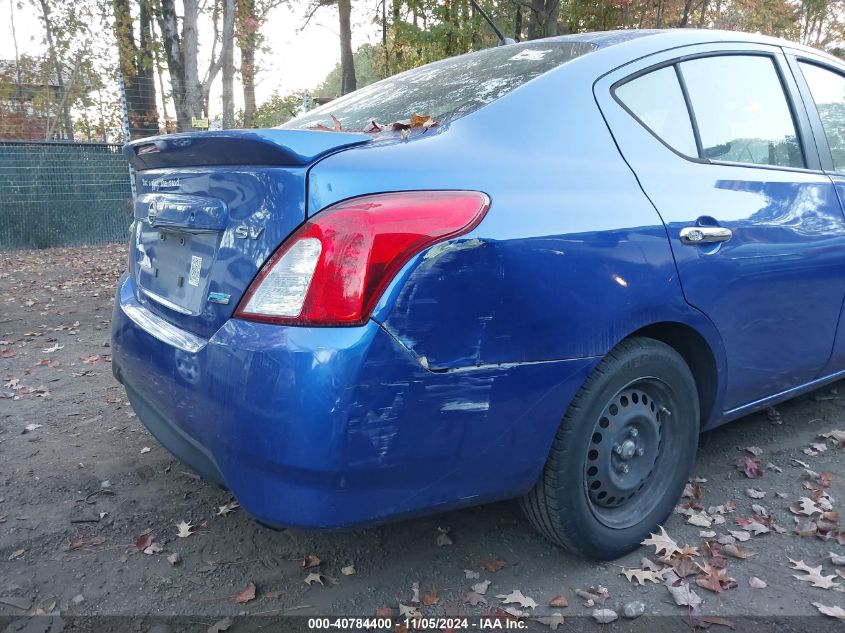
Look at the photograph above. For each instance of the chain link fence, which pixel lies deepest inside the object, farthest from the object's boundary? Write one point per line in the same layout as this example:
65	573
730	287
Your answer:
63	194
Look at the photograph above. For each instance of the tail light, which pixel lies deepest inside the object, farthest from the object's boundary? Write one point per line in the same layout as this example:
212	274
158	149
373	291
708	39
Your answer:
333	269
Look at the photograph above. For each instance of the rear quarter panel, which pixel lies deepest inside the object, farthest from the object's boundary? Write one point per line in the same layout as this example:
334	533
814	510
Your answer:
571	256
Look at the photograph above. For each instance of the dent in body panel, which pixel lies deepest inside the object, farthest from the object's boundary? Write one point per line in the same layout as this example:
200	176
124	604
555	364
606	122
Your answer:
570	257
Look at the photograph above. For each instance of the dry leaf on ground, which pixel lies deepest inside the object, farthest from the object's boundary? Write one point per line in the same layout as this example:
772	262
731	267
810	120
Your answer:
247	594
516	596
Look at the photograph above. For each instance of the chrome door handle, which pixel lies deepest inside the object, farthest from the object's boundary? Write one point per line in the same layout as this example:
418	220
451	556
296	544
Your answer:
705	234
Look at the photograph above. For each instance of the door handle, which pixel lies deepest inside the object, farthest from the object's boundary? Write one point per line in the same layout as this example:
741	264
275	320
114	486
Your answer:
692	235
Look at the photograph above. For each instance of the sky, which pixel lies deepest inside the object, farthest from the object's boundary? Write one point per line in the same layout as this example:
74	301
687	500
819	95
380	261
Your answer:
298	58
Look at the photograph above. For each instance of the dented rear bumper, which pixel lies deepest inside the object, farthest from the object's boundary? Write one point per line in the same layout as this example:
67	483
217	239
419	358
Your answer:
332	427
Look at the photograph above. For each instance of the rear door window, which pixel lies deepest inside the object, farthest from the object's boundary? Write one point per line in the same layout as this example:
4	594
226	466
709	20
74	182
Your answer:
828	90
657	101
741	110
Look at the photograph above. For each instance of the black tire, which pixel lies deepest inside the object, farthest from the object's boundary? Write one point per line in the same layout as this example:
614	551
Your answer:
611	478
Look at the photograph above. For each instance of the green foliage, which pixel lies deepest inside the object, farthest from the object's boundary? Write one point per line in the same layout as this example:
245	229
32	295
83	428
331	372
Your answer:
276	110
369	68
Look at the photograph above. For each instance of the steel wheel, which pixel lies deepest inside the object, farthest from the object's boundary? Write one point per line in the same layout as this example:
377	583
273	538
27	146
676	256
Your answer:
625	455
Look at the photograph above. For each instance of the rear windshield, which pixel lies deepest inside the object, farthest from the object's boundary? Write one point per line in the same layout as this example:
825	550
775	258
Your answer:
446	89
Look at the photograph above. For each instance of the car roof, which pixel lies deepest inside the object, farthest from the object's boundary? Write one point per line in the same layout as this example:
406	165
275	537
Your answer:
648	41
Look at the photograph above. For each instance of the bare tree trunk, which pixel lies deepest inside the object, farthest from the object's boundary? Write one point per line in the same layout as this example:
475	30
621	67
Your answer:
190	48
517	23
397	17
175	63
227	60
248	24
347	62
136	66
542	18
64	111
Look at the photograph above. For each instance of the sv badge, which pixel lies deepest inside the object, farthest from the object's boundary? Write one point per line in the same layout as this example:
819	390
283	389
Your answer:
243	232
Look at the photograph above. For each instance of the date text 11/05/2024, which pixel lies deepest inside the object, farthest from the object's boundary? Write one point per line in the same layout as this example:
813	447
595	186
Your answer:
483	623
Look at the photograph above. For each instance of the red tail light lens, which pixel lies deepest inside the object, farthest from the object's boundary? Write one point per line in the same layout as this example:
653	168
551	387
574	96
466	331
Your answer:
333	269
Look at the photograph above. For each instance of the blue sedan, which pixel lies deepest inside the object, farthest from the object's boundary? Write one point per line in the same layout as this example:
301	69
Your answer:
536	271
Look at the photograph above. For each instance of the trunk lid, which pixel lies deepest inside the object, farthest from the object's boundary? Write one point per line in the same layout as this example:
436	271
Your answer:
210	208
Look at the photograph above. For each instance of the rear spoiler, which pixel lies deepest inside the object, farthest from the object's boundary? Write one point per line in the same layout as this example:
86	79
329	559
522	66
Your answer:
238	147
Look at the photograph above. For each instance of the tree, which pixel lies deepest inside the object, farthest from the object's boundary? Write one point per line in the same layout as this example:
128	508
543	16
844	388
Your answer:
542	20
347	64
276	110
136	65
181	51
227	61
56	60
369	68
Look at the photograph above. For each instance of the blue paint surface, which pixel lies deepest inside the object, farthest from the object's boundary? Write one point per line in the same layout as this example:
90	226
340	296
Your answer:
451	393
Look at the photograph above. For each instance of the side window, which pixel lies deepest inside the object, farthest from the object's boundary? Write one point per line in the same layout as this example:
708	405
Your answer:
657	101
741	110
828	90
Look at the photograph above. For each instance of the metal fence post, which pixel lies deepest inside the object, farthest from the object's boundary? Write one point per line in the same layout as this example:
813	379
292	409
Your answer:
124	108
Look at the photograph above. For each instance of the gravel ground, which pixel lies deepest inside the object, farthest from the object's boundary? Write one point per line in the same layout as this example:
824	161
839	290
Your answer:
82	491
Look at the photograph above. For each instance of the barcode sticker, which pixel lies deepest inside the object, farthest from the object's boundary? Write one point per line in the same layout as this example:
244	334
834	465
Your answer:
196	266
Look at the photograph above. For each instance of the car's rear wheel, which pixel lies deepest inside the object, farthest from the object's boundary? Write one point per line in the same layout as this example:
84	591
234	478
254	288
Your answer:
622	454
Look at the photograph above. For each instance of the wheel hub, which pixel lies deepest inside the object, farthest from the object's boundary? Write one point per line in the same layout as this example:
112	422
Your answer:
624	448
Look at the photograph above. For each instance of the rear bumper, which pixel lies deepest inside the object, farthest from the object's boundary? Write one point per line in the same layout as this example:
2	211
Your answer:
332	427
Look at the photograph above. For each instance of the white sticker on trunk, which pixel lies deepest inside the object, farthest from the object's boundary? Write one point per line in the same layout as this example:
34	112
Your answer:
196	266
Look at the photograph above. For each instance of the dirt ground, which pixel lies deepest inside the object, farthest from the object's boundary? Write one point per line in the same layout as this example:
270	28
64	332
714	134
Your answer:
79	491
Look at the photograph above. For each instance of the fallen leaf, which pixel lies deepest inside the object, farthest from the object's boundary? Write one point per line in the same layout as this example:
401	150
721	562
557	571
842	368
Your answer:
223	625
740	535
736	552
662	542
349	570
559	602
837	559
17	554
474	599
145	540
312	578
552	621
825	479
813	575
516	596
174	559
146	449
415	591
493	565
642	575
715	579
750	467
806	507
408	612
386	612
246	595
184	529
311	560
154	548
681	592
700	520
481	587
754	450
754	493
833	612
443	539
227	508
53	348
756	583
431	597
